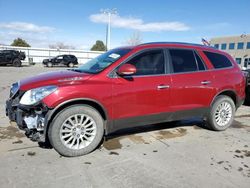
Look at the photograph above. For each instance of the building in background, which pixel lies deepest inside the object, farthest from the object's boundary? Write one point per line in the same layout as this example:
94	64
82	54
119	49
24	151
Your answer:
237	46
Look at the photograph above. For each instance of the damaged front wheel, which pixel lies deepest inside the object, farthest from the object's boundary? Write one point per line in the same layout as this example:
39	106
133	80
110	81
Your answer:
76	130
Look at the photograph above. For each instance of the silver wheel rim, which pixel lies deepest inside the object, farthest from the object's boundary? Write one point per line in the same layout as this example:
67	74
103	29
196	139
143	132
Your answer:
78	131
223	113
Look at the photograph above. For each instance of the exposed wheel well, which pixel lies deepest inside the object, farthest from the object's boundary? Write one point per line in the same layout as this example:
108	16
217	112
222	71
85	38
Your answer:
230	94
93	104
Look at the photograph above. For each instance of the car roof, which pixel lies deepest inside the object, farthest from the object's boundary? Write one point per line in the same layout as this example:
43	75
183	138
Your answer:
185	45
176	44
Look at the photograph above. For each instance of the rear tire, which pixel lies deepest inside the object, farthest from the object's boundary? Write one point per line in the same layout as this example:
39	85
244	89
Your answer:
17	63
247	100
76	130
222	113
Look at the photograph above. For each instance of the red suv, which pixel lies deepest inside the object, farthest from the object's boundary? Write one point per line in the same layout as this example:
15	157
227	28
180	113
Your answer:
127	87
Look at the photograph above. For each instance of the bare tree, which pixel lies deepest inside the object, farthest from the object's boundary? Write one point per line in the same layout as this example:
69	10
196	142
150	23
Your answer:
134	39
61	45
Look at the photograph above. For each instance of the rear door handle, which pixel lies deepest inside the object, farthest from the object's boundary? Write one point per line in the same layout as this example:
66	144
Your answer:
163	87
206	82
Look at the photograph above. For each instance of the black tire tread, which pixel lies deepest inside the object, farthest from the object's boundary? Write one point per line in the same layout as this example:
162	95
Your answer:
211	124
54	128
17	62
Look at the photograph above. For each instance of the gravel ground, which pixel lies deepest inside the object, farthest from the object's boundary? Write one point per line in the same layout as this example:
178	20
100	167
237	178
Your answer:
165	155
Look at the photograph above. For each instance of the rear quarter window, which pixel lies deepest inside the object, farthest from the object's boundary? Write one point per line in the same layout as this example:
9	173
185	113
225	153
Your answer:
218	60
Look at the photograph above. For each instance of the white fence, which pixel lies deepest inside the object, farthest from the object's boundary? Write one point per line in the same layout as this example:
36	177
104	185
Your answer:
37	55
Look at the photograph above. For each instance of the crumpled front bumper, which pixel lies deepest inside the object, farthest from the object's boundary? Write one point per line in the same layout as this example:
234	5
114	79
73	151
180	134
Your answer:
31	119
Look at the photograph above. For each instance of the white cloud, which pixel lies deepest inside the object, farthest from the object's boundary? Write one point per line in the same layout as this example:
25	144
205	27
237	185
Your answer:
26	27
138	24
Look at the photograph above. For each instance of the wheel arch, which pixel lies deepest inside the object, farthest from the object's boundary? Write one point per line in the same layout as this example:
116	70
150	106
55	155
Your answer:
85	101
228	92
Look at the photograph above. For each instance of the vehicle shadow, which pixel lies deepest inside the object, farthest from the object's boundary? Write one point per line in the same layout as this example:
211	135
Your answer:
246	103
156	127
143	129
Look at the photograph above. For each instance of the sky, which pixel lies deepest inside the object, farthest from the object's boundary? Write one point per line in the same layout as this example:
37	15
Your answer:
80	23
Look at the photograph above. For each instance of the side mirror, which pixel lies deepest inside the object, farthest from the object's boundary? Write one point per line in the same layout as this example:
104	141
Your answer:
126	70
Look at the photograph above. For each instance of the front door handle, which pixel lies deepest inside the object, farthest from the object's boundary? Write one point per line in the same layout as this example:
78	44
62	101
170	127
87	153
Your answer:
206	82
163	87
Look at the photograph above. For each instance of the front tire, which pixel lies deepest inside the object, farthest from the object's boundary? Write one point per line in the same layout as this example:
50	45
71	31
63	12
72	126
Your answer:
76	131
222	113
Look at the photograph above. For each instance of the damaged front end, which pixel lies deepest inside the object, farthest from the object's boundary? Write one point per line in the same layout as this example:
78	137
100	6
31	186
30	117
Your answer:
30	118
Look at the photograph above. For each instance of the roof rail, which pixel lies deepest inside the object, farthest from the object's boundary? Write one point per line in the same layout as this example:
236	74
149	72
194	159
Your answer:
182	43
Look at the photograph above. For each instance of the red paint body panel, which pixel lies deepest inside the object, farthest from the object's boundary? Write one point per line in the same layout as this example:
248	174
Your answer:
187	91
140	96
51	78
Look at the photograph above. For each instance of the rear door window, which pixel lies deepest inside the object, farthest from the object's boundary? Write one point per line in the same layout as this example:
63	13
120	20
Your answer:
183	60
218	60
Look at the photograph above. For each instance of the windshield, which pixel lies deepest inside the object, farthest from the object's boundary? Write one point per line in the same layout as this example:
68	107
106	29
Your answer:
102	61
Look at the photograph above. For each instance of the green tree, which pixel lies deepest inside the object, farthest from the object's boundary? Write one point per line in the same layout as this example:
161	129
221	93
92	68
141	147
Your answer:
98	46
20	42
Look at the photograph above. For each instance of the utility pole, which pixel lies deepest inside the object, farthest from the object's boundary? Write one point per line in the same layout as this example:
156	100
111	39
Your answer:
109	13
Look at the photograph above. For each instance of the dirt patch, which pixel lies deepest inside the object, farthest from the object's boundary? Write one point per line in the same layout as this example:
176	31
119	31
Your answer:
196	127
31	153
242	116
239	156
17	142
113	153
246	166
171	134
239	125
246	153
240	169
115	143
243	153
227	169
112	144
3	88
10	132
137	139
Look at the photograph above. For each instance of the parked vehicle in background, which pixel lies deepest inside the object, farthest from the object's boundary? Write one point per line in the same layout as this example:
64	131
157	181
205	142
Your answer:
11	57
127	87
247	75
66	60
